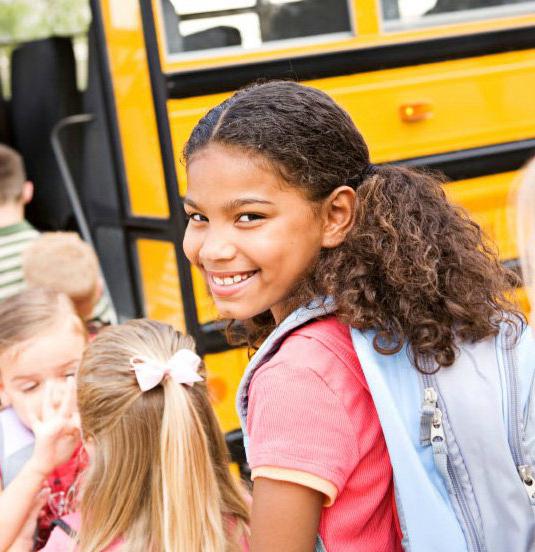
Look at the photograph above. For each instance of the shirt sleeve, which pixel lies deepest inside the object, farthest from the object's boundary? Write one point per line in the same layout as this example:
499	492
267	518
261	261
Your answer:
297	422
305	479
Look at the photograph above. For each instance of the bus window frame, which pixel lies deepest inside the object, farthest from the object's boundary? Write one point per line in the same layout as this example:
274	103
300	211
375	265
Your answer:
367	27
277	49
449	19
271	46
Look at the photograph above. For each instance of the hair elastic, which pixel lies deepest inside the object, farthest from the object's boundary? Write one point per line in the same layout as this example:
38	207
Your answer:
355	181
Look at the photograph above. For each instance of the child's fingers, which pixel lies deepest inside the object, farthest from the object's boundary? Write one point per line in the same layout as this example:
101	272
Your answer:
66	405
48	401
33	419
72	405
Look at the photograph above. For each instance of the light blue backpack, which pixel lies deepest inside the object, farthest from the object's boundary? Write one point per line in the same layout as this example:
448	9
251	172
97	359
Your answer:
461	441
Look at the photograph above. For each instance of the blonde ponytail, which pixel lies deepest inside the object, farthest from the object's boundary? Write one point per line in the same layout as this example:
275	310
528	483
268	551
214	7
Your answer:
191	497
159	475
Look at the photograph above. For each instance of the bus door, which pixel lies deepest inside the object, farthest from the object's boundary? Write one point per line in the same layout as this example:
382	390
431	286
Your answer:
442	84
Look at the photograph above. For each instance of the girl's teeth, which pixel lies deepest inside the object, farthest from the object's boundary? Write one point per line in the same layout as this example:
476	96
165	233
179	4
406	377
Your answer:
229	280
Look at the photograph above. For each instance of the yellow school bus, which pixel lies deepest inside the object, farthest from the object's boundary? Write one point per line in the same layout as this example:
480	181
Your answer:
443	84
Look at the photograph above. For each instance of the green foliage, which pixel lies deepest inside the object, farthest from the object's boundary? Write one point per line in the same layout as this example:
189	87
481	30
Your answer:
24	20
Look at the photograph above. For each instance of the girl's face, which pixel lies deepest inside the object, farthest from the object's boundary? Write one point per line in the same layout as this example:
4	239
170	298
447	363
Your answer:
252	235
49	358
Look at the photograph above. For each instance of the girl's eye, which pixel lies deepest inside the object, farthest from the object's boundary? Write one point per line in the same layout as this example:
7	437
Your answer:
249	217
197	217
29	387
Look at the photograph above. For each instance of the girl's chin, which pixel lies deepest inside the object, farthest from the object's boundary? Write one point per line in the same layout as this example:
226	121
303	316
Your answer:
235	312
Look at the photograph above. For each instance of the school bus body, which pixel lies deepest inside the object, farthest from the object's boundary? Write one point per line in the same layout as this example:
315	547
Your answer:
456	97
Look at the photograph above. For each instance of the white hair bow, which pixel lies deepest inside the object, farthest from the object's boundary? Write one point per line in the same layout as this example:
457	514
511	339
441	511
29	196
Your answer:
182	367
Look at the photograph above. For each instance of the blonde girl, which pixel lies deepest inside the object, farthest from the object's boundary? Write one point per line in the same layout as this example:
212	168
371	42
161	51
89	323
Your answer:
158	476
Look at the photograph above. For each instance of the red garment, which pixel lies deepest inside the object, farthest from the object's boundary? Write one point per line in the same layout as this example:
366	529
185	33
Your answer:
312	421
62	500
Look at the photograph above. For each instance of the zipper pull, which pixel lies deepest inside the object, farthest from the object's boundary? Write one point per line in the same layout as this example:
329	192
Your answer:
437	429
430	397
526	475
427	413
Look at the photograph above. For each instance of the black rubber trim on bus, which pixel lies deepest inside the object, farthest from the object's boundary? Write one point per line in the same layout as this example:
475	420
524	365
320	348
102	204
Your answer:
332	64
112	127
474	162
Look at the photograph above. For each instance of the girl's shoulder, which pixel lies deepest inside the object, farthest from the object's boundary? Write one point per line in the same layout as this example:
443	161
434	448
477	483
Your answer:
323	346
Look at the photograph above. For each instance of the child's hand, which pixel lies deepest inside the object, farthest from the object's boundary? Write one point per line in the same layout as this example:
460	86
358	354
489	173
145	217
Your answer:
57	430
24	541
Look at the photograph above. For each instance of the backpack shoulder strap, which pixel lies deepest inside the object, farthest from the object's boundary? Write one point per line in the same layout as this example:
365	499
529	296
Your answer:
271	345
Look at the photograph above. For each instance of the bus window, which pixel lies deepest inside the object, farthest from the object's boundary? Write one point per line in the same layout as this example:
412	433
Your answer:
249	24
405	14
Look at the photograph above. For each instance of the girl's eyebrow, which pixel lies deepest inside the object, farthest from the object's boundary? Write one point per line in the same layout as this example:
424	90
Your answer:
242	202
190	202
233	204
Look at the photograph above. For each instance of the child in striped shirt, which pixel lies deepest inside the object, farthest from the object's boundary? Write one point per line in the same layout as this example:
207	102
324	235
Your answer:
16	233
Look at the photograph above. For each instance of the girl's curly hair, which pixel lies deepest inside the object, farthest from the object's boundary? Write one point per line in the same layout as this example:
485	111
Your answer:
414	267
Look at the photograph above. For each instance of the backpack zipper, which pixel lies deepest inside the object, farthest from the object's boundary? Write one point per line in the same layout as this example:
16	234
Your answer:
525	471
432	396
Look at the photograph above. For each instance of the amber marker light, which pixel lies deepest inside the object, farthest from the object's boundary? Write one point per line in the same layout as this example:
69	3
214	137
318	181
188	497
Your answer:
217	389
415	112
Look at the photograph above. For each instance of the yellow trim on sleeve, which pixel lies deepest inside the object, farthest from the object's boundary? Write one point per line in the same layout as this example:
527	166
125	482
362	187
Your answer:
301	478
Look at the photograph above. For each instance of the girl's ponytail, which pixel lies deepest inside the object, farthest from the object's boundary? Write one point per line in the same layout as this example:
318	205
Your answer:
158	476
191	516
415	268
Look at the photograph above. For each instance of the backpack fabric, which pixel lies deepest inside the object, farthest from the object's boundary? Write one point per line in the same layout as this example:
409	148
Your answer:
461	440
16	445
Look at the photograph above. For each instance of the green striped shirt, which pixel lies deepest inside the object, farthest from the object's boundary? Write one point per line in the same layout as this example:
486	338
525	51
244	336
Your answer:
13	240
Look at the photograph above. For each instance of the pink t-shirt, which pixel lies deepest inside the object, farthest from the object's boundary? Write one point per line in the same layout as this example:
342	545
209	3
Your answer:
311	420
59	541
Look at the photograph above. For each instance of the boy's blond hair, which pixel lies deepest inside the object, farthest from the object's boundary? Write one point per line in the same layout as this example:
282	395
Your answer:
12	175
61	261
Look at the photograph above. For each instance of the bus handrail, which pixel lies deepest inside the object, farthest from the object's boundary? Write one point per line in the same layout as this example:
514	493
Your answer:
68	181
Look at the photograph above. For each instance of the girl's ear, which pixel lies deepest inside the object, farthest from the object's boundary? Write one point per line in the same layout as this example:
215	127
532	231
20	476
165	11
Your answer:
338	212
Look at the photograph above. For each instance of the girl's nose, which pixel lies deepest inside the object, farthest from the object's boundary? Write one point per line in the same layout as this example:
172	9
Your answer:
216	247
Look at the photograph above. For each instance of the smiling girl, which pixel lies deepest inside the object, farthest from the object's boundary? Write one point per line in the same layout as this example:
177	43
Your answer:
285	210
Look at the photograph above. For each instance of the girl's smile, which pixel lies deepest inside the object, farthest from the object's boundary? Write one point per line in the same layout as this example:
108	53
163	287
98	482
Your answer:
224	284
251	234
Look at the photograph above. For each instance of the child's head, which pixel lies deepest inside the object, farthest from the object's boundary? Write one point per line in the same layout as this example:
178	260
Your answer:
159	475
61	261
41	341
284	206
14	187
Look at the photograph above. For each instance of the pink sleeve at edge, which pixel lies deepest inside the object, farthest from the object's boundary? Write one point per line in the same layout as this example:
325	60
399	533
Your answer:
296	421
